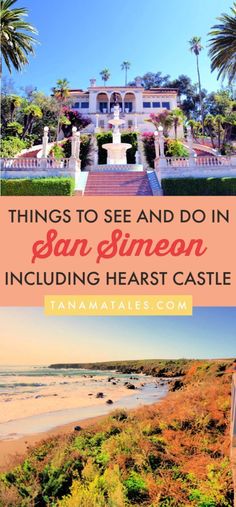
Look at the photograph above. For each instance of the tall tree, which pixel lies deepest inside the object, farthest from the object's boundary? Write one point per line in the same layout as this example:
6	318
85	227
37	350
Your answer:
31	113
17	40
223	45
152	80
125	66
105	75
15	103
61	94
196	48
177	117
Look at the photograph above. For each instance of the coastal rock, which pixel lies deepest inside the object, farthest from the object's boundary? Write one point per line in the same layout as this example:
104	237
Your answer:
176	385
77	428
130	386
100	395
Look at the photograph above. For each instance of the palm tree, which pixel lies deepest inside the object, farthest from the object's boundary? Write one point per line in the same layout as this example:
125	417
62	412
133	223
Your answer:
125	66
31	112
223	46
177	116
15	103
196	48
16	36
61	93
105	75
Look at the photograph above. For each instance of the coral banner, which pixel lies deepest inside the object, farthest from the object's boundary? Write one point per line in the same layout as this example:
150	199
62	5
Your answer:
137	246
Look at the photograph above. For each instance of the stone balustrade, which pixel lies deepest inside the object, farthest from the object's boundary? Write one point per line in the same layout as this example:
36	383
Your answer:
20	163
195	167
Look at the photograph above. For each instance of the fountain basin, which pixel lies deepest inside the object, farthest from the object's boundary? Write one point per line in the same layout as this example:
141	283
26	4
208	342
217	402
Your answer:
116	152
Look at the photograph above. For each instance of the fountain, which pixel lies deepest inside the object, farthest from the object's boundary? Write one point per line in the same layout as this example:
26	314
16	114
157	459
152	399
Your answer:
116	151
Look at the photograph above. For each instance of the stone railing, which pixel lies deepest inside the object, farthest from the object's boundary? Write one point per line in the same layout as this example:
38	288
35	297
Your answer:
175	162
195	167
204	161
24	164
233	432
117	167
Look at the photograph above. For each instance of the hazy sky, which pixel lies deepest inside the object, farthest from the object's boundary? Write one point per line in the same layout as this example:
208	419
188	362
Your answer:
29	337
78	39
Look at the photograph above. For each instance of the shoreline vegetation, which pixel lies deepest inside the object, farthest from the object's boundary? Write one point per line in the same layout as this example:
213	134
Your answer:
171	454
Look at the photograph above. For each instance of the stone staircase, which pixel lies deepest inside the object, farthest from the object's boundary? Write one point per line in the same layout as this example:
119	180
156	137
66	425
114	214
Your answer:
119	183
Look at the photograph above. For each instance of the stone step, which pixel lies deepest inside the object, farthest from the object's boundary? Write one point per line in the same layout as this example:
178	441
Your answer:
108	183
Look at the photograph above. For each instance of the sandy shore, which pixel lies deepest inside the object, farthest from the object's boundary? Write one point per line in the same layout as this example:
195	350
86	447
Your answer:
12	451
65	393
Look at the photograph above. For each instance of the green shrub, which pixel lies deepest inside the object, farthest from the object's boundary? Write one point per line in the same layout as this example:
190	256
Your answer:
126	137
10	146
174	148
136	487
149	148
57	151
37	186
85	148
199	186
14	128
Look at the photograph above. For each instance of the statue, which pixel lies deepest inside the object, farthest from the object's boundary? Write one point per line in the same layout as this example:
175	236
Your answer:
115	95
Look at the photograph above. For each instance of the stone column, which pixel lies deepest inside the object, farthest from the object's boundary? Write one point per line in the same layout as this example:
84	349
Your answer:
77	145
156	144
43	161
135	122
192	155
45	142
162	160
72	161
97	129
161	141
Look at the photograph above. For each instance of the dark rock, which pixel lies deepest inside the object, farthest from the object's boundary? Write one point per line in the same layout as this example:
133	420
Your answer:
176	385
100	395
109	402
114	383
130	386
77	428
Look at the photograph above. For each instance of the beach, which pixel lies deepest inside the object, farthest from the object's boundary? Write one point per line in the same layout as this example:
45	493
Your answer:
36	403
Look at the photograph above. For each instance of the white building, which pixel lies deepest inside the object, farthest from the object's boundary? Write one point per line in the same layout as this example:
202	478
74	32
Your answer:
136	105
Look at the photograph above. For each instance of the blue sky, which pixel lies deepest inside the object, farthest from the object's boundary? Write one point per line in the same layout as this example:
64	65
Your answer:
29	337
78	39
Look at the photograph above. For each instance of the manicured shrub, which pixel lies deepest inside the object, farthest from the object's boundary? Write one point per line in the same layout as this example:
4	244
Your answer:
10	146
37	186
126	137
199	186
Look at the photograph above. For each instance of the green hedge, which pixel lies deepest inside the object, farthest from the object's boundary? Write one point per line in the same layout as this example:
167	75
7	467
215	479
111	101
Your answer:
85	149
126	137
199	186
38	186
